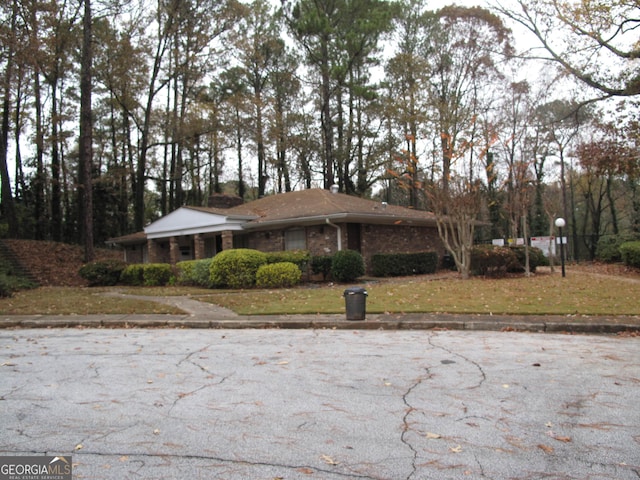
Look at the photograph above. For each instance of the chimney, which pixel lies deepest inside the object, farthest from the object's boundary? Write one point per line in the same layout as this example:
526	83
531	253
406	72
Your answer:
222	200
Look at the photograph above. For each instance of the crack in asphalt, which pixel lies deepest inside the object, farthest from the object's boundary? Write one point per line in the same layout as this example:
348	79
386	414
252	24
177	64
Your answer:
483	375
309	468
405	421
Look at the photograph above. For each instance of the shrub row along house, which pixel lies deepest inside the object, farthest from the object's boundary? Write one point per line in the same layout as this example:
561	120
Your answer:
319	221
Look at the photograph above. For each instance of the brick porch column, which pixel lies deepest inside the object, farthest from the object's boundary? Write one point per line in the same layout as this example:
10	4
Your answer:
153	251
227	240
174	251
198	246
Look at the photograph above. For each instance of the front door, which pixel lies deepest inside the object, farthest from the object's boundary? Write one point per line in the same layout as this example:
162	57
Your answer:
353	236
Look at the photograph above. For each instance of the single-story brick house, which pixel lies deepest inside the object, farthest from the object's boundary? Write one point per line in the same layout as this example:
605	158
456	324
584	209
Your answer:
317	220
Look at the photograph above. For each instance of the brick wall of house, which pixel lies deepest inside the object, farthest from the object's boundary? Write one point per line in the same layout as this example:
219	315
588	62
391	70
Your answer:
267	241
323	240
399	239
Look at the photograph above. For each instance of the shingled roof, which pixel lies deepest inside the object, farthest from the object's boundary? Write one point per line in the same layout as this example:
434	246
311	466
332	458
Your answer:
304	207
314	205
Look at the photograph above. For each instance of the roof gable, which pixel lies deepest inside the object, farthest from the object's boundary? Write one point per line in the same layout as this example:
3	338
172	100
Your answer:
189	221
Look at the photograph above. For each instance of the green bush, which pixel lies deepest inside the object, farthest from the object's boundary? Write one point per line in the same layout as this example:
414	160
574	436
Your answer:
399	264
157	274
11	283
298	257
321	265
133	275
608	249
102	273
194	273
492	260
536	259
236	268
6	286
347	265
630	253
278	275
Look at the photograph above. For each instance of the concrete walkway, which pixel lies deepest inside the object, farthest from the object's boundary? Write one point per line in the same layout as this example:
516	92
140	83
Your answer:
206	315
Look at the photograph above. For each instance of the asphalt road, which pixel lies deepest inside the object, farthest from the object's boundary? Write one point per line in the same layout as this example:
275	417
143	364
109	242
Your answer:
322	404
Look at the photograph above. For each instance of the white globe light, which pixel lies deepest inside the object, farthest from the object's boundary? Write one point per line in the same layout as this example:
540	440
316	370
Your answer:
560	222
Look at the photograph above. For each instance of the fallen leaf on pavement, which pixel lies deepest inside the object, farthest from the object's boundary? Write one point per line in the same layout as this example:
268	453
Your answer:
433	436
327	459
546	449
457	449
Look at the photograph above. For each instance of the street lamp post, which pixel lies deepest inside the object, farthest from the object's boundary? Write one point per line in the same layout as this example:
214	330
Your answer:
561	223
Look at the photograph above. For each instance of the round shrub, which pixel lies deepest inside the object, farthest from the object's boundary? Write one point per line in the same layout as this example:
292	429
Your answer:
536	259
321	265
608	249
347	265
236	268
157	274
299	257
133	275
102	273
194	272
630	252
492	260
278	275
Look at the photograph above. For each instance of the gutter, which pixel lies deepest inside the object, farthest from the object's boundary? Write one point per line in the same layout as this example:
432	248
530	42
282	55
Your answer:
339	232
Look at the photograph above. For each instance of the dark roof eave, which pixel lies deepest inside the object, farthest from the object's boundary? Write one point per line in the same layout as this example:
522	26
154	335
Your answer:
343	218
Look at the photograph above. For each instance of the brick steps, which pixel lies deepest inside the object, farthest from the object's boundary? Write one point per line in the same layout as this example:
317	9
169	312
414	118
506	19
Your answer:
17	268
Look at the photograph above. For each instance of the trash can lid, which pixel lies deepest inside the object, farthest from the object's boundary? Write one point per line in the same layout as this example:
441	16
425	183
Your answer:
355	291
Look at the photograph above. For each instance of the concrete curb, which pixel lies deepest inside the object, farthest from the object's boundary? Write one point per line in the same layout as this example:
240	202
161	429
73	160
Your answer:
516	323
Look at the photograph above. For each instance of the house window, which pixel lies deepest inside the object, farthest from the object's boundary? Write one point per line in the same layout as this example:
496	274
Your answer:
185	253
295	239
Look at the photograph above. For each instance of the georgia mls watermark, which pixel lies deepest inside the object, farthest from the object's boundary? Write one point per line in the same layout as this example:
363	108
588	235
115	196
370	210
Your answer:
36	468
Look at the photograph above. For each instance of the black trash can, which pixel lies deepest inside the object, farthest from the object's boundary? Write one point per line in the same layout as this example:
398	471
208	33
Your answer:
355	299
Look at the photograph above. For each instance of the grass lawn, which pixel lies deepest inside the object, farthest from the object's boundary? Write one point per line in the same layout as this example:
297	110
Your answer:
541	294
545	293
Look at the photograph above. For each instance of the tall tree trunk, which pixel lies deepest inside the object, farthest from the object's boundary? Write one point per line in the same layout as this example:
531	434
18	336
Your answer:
86	135
8	207
56	206
612	206
262	162
39	206
326	120
241	190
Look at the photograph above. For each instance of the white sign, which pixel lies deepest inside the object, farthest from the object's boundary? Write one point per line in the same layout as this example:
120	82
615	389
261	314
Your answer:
546	244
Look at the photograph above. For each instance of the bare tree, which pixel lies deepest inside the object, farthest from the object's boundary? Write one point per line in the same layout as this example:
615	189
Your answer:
456	209
580	36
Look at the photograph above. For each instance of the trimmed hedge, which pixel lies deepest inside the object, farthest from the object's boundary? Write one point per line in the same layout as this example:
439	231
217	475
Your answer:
536	259
347	265
630	253
278	275
157	274
102	273
133	275
492	260
321	264
147	274
298	257
236	268
402	264
608	249
194	273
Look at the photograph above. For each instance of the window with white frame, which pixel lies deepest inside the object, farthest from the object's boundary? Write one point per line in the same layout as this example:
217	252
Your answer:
295	239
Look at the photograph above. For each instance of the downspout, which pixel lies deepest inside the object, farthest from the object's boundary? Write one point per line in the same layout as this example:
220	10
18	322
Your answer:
339	232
